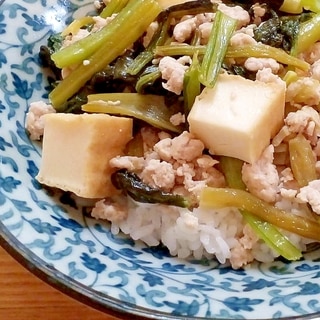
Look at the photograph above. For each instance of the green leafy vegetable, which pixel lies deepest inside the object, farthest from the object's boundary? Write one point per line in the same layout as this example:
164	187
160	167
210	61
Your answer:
297	6
54	42
231	168
149	108
132	185
191	84
222	30
101	48
148	79
258	50
158	38
309	34
114	6
302	160
278	32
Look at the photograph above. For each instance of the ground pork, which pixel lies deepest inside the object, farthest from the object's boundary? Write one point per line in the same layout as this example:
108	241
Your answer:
258	12
153	27
315	70
288	185
72	38
150	137
174	165
178	119
311	194
266	75
305	120
241	253
241	39
173	70
110	210
205	30
185	147
255	64
130	163
34	119
304	91
261	177
311	55
236	12
157	173
184	29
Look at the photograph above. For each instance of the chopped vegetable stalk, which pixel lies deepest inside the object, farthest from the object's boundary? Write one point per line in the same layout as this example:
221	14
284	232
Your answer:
191	84
114	6
135	146
194	7
132	185
258	50
272	237
147	79
291	6
290	77
228	197
302	160
231	168
122	32
222	30
129	20
147	55
179	50
149	108
309	34
76	25
161	35
297	6
312	5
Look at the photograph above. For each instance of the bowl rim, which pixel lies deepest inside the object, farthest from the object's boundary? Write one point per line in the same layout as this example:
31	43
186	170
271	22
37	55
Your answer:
85	295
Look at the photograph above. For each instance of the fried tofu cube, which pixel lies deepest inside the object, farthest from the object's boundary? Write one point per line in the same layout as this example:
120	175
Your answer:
77	150
238	117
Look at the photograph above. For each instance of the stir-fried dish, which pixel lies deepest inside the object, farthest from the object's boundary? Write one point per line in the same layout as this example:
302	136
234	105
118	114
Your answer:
192	125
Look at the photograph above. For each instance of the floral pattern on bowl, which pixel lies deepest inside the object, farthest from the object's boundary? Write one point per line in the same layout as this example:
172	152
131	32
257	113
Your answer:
51	232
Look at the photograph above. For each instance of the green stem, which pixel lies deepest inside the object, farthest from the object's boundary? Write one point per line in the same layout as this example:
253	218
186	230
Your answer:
117	30
114	6
226	197
272	237
302	160
147	79
222	30
127	27
147	107
191	84
309	34
147	55
232	169
258	50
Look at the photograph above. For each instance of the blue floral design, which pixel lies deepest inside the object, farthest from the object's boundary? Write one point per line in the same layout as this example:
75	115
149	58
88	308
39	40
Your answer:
56	229
93	264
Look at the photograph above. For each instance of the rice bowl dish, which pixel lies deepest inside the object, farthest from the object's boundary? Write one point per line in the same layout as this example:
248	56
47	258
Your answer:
278	127
206	232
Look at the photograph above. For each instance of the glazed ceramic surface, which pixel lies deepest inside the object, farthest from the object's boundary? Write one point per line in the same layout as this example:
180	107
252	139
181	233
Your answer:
53	236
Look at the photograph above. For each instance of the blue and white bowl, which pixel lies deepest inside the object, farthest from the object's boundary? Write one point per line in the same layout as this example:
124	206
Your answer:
53	236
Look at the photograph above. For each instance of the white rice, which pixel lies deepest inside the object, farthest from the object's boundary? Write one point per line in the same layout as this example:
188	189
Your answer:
198	233
221	234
